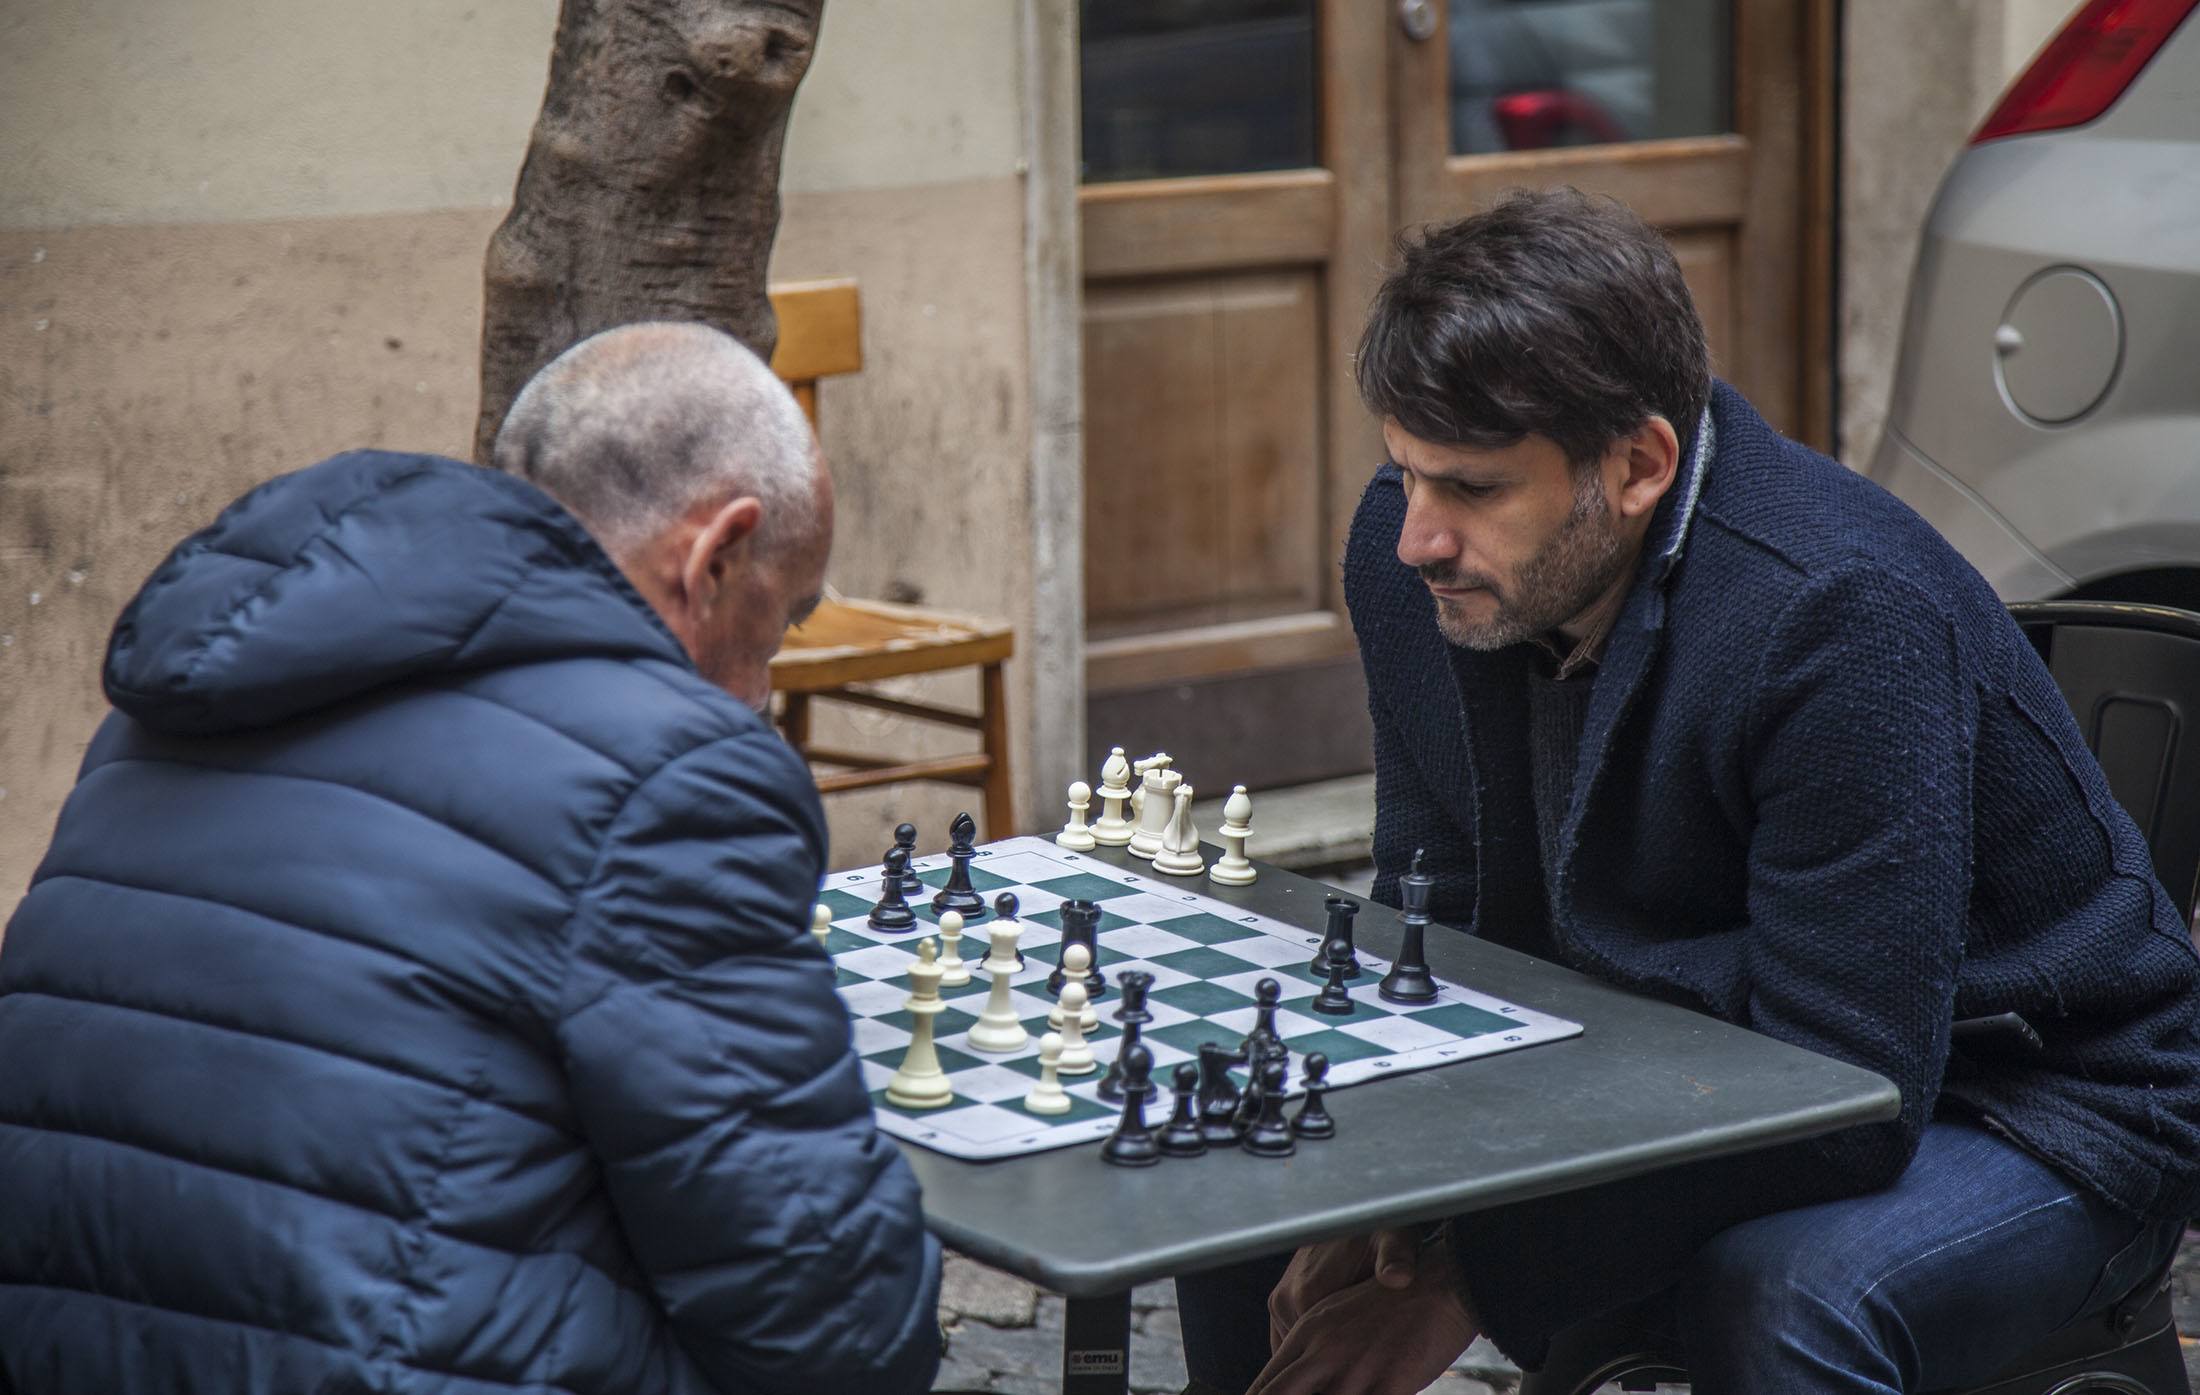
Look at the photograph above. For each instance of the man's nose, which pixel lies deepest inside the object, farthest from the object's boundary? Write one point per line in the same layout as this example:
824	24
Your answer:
1424	538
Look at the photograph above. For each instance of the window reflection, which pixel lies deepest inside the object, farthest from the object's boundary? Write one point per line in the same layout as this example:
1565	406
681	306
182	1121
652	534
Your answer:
1537	74
1185	87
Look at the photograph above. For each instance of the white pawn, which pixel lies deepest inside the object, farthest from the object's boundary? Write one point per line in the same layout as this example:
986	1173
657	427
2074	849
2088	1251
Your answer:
1075	835
1076	1054
821	922
954	972
997	1029
921	1083
1233	868
1048	1096
1113	829
1179	854
1076	960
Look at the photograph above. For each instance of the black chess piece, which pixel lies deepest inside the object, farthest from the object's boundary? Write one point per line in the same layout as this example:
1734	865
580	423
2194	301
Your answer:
1182	1136
1080	926
1409	980
1263	1040
1312	1120
1004	908
892	914
1333	1000
958	895
1341	911
905	838
1268	1135
1134	1017
1133	1144
1218	1094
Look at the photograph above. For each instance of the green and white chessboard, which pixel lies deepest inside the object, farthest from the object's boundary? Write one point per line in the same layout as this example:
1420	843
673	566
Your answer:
1205	956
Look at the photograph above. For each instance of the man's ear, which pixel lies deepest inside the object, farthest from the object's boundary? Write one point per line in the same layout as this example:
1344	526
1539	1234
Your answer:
720	537
1649	459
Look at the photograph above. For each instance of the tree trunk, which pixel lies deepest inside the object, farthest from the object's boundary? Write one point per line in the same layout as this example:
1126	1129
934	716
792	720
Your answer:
651	187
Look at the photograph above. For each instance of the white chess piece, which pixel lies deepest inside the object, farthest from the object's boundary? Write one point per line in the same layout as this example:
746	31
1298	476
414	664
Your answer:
1075	835
1157	787
1076	1054
921	1083
1233	868
954	971
1179	854
1076	962
821	922
1113	830
1048	1096
997	1029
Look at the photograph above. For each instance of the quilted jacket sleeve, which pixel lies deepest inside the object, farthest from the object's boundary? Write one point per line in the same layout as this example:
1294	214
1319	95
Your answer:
1859	765
711	1064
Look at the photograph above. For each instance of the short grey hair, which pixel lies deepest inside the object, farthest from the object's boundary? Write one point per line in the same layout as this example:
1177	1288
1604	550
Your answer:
630	428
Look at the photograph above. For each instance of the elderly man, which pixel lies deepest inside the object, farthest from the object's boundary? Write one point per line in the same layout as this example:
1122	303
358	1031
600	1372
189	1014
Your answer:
417	995
1683	705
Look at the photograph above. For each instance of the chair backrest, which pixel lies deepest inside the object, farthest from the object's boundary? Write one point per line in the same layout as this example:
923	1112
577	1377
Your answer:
820	335
2131	674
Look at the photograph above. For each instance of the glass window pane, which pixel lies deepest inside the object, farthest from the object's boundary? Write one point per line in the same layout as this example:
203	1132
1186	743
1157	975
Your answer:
1534	74
1181	87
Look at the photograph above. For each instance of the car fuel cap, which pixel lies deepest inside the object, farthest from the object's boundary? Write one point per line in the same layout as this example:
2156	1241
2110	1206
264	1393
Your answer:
2059	345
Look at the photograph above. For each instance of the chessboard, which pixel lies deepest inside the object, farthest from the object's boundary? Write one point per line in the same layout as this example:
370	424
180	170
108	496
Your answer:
1205	955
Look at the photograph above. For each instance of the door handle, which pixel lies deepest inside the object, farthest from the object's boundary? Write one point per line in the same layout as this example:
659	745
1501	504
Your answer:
1418	19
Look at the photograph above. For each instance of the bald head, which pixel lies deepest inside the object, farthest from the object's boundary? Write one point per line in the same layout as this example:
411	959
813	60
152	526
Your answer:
630	429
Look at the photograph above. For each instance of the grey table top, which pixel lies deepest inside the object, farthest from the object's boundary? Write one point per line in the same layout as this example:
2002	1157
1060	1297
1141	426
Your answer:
1644	1086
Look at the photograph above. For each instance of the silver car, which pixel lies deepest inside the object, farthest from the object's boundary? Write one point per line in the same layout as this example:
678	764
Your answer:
2046	411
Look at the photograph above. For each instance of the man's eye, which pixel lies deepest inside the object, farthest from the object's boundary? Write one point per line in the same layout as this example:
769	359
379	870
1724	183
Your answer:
1468	489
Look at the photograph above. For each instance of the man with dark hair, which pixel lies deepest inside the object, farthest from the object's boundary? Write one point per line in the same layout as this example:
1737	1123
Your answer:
1692	709
418	994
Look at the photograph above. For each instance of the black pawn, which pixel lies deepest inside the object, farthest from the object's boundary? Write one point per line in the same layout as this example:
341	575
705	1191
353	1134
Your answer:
1333	1001
1263	1040
1004	908
892	914
1218	1094
1133	1144
1182	1136
1313	1119
1409	980
1134	1017
1080	926
905	838
1341	911
958	895
1268	1136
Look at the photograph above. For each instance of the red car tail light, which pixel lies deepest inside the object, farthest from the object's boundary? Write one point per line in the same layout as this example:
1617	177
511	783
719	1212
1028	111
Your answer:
2085	67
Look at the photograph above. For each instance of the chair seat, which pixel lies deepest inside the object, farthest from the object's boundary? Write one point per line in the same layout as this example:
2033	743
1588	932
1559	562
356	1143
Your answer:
847	641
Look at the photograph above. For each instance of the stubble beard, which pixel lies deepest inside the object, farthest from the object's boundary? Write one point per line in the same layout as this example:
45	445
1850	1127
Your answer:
1575	566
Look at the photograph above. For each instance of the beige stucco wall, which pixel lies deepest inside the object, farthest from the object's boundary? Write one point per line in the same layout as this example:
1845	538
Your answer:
1917	78
237	235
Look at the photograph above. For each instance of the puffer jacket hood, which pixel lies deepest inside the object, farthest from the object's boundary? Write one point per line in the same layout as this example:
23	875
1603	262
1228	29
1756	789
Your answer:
368	569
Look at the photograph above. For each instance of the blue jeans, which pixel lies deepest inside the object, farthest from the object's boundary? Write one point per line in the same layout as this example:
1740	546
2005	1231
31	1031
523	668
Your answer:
1975	1253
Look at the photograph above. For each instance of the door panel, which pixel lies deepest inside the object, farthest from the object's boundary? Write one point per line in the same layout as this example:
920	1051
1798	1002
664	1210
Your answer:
1203	420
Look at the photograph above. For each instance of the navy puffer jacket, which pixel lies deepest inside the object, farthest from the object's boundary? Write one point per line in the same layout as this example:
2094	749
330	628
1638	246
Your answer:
418	994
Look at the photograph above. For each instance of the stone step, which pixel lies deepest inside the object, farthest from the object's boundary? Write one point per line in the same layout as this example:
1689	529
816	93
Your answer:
1307	828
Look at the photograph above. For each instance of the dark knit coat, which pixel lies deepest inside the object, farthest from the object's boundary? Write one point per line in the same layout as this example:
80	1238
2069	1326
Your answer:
418	994
1826	790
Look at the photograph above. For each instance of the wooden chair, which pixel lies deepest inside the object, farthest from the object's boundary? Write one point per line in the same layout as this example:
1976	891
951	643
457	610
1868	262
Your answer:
848	643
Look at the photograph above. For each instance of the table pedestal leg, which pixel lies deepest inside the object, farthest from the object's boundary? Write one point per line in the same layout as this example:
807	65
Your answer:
1096	1345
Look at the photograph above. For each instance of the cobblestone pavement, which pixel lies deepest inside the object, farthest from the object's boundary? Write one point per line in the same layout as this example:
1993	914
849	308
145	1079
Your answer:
1004	1335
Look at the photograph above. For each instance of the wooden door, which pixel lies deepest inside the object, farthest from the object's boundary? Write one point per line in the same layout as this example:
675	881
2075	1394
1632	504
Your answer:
1235	212
1247	165
1710	118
